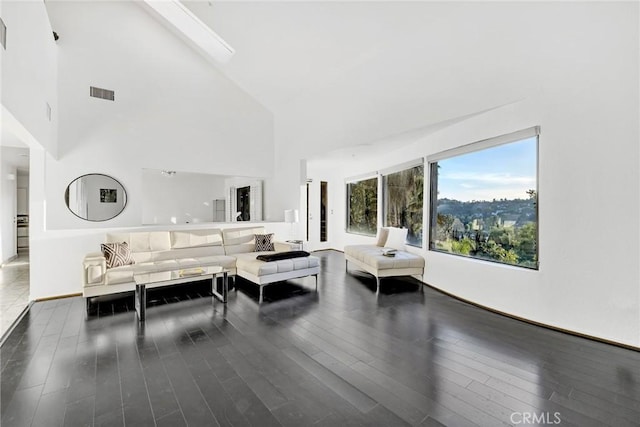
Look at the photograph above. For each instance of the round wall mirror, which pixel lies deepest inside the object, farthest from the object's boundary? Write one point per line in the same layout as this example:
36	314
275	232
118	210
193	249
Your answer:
95	197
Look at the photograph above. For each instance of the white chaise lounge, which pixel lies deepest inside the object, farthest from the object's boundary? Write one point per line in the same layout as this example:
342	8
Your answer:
370	258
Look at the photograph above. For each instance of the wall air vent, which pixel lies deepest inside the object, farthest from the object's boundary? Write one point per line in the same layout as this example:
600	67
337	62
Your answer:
97	92
3	34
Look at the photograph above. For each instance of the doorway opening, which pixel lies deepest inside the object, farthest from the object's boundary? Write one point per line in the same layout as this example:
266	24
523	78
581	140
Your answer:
243	197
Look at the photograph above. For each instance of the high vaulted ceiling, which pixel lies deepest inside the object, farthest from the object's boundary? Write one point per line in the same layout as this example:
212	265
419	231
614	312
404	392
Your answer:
354	72
290	52
341	74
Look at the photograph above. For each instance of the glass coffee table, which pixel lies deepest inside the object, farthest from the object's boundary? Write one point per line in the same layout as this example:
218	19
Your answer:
157	279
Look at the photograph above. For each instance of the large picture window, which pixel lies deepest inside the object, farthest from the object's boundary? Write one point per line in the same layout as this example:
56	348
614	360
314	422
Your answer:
403	198
484	202
362	207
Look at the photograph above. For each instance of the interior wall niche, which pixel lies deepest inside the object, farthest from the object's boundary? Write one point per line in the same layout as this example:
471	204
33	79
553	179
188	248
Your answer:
175	197
245	199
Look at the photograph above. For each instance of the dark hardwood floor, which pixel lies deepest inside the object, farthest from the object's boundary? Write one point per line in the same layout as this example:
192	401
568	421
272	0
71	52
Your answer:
338	357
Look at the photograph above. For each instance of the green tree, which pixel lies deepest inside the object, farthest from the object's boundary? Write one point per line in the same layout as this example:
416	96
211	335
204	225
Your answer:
444	224
527	237
404	201
363	206
505	237
464	246
492	250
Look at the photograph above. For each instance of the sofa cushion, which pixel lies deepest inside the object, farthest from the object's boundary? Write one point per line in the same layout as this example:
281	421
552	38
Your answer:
117	254
264	242
240	240
224	261
249	263
196	252
401	260
146	241
372	256
360	251
196	238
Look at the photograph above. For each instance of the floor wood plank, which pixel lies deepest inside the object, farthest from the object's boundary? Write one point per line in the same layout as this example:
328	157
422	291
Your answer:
338	356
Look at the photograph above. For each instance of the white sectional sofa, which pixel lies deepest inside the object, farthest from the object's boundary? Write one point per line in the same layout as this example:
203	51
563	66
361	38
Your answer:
155	251
370	258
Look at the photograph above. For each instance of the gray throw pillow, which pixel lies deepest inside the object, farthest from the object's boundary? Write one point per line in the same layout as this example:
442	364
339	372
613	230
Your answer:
264	242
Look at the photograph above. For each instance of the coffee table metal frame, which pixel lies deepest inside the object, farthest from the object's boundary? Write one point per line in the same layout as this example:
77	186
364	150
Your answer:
176	277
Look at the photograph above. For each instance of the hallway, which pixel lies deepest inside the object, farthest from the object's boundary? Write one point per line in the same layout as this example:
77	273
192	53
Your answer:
14	291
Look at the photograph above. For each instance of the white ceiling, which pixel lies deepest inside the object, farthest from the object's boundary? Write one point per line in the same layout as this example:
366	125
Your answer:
18	157
8	139
340	74
353	72
13	151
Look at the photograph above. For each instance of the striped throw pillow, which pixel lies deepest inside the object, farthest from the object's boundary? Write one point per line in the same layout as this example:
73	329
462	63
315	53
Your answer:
117	254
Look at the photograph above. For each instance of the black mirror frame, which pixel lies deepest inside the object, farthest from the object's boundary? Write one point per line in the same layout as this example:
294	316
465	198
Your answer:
124	192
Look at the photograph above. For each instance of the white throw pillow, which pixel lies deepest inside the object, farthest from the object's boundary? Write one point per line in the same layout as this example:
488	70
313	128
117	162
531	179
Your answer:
396	238
383	233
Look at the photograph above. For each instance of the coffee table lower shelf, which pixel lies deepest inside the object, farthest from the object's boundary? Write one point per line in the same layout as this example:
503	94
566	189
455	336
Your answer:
175	277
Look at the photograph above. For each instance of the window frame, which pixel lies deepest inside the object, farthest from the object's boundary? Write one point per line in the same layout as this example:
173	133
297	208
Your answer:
484	144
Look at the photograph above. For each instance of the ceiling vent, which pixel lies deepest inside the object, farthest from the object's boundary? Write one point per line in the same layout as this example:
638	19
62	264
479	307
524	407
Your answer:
97	92
3	34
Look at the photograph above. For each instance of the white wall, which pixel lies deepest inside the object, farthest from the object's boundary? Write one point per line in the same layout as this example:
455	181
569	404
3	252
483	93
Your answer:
578	61
29	82
173	110
179	199
589	184
29	69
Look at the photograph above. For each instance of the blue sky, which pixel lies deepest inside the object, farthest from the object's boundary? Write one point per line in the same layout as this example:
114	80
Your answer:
506	171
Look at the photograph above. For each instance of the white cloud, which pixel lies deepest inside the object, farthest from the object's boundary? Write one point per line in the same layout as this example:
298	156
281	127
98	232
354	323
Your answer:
466	186
495	179
488	194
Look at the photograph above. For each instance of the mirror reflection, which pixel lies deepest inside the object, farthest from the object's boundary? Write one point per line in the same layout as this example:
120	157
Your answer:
175	197
95	197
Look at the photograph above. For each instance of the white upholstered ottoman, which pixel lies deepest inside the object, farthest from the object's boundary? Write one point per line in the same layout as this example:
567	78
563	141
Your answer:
370	259
263	273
